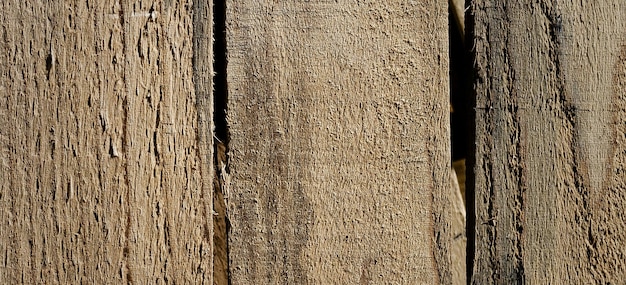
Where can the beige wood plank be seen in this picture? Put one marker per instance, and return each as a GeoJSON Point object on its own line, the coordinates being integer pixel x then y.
{"type": "Point", "coordinates": [104, 176]}
{"type": "Point", "coordinates": [551, 146]}
{"type": "Point", "coordinates": [338, 154]}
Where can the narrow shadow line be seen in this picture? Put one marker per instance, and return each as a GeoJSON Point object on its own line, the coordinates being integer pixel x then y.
{"type": "Point", "coordinates": [220, 62]}
{"type": "Point", "coordinates": [220, 107]}
{"type": "Point", "coordinates": [462, 117]}
{"type": "Point", "coordinates": [470, 190]}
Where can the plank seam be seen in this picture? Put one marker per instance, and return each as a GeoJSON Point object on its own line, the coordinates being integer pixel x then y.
{"type": "Point", "coordinates": [221, 139]}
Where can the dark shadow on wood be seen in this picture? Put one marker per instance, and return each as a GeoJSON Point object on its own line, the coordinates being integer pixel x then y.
{"type": "Point", "coordinates": [221, 273]}
{"type": "Point", "coordinates": [462, 126]}
{"type": "Point", "coordinates": [470, 121]}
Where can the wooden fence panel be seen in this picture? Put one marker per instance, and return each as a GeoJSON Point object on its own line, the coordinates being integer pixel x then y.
{"type": "Point", "coordinates": [551, 142]}
{"type": "Point", "coordinates": [105, 178]}
{"type": "Point", "coordinates": [338, 155]}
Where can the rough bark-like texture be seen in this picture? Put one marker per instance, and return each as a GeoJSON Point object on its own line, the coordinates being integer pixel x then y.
{"type": "Point", "coordinates": [103, 178]}
{"type": "Point", "coordinates": [551, 146]}
{"type": "Point", "coordinates": [339, 142]}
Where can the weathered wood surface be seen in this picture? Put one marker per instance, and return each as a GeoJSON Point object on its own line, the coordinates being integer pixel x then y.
{"type": "Point", "coordinates": [338, 151]}
{"type": "Point", "coordinates": [551, 142]}
{"type": "Point", "coordinates": [103, 178]}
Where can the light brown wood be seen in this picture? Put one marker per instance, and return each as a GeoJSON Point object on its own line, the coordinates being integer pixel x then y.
{"type": "Point", "coordinates": [105, 177]}
{"type": "Point", "coordinates": [220, 223]}
{"type": "Point", "coordinates": [457, 8]}
{"type": "Point", "coordinates": [458, 248]}
{"type": "Point", "coordinates": [338, 155]}
{"type": "Point", "coordinates": [551, 146]}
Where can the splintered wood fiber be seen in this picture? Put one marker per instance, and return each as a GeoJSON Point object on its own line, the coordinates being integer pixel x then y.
{"type": "Point", "coordinates": [102, 177]}
{"type": "Point", "coordinates": [551, 142]}
{"type": "Point", "coordinates": [338, 153]}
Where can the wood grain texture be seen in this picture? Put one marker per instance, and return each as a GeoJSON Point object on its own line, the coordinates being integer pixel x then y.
{"type": "Point", "coordinates": [339, 143]}
{"type": "Point", "coordinates": [551, 146]}
{"type": "Point", "coordinates": [103, 178]}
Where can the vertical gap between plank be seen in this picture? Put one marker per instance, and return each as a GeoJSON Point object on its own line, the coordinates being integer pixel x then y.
{"type": "Point", "coordinates": [470, 196]}
{"type": "Point", "coordinates": [221, 273]}
{"type": "Point", "coordinates": [461, 116]}
{"type": "Point", "coordinates": [219, 63]}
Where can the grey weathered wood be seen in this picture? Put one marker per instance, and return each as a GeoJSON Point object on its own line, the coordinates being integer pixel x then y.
{"type": "Point", "coordinates": [339, 146]}
{"type": "Point", "coordinates": [104, 178]}
{"type": "Point", "coordinates": [551, 146]}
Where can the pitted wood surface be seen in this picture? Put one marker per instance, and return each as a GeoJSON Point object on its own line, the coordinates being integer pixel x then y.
{"type": "Point", "coordinates": [339, 143]}
{"type": "Point", "coordinates": [103, 177]}
{"type": "Point", "coordinates": [551, 147]}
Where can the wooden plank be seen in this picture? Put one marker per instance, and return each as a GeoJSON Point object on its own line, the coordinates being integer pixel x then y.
{"type": "Point", "coordinates": [104, 180]}
{"type": "Point", "coordinates": [551, 146]}
{"type": "Point", "coordinates": [338, 155]}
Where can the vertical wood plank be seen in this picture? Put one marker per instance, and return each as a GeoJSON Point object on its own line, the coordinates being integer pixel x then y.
{"type": "Point", "coordinates": [104, 180]}
{"type": "Point", "coordinates": [339, 142]}
{"type": "Point", "coordinates": [551, 146]}
{"type": "Point", "coordinates": [203, 74]}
